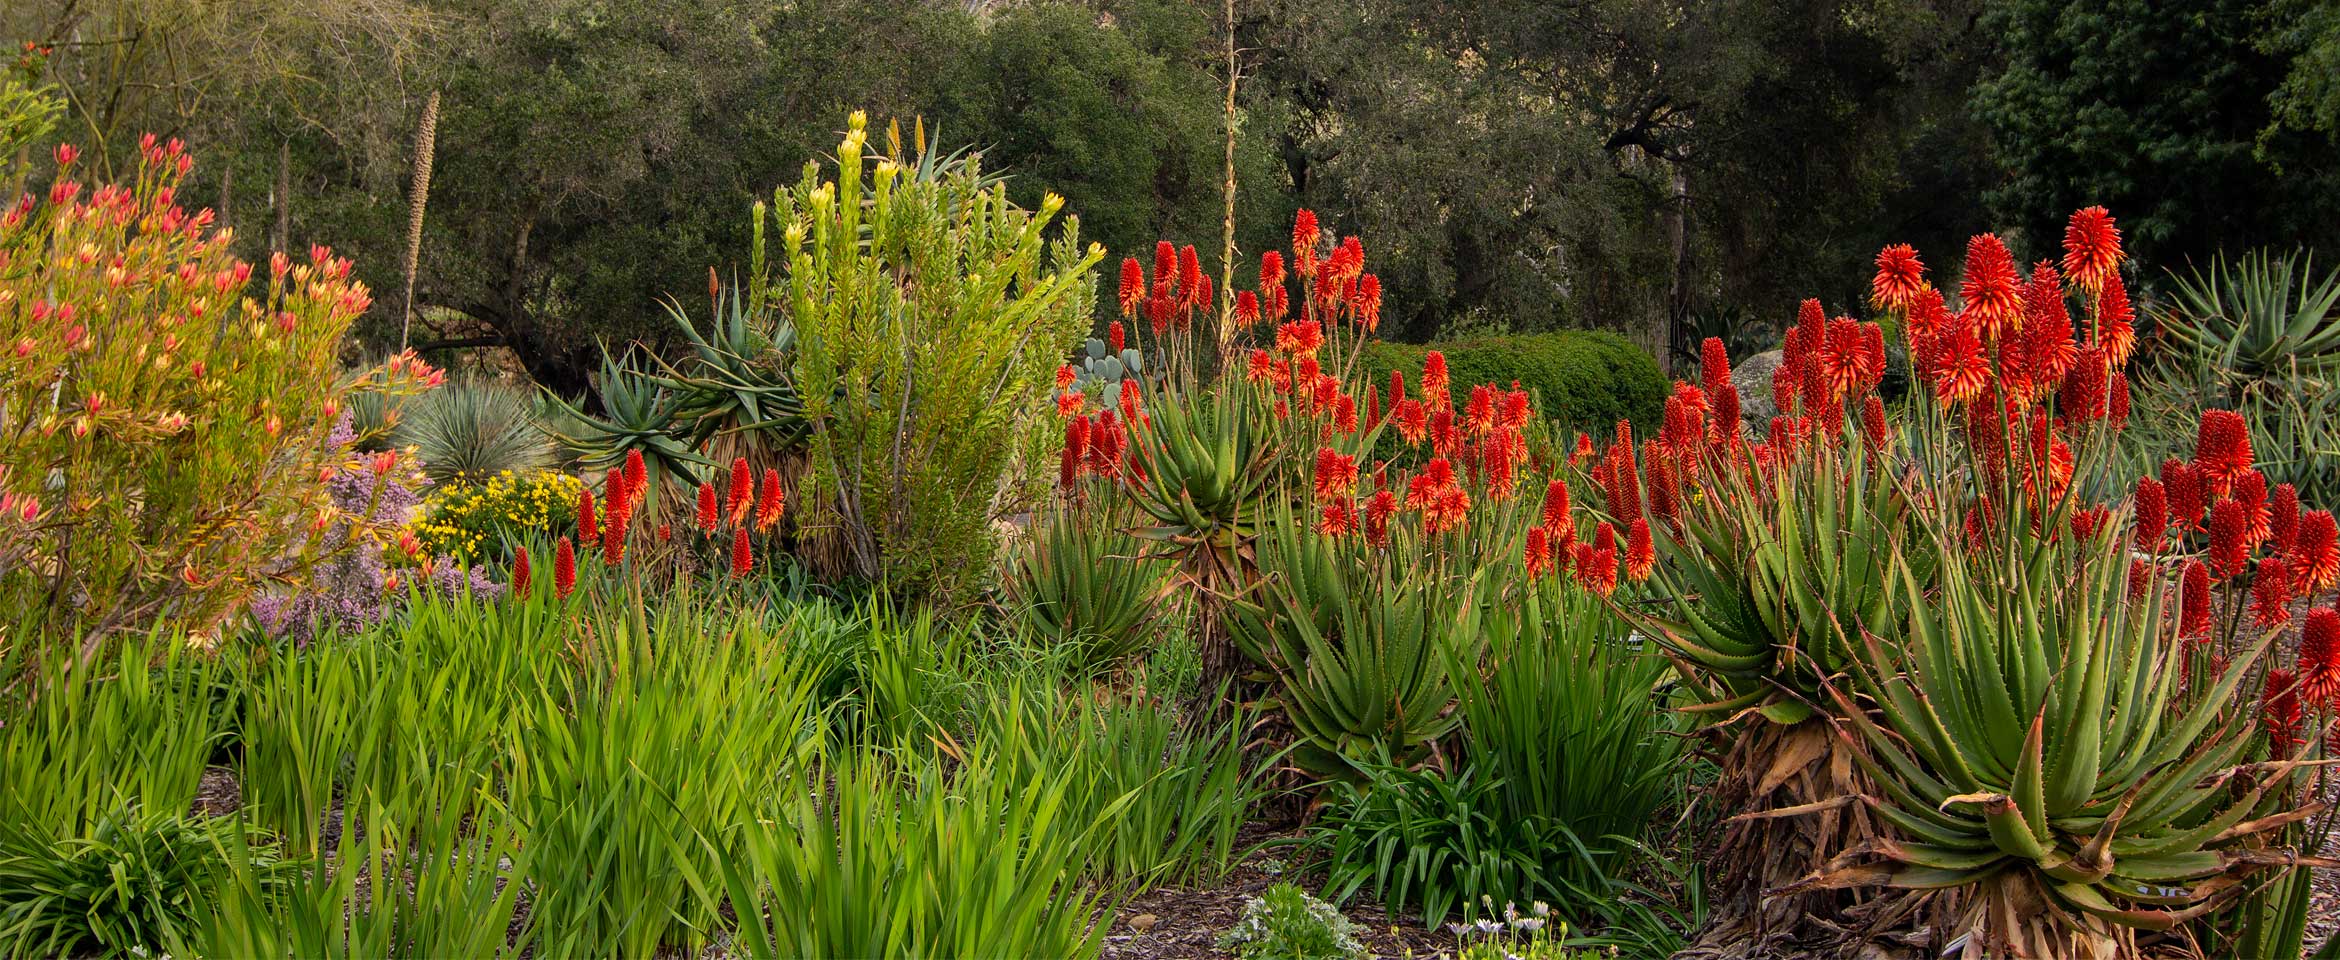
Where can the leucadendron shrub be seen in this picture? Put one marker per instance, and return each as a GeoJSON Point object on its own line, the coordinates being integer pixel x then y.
{"type": "Point", "coordinates": [167, 412]}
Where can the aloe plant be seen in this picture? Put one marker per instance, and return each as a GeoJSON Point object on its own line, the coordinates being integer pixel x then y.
{"type": "Point", "coordinates": [1359, 651]}
{"type": "Point", "coordinates": [1204, 472]}
{"type": "Point", "coordinates": [1089, 587]}
{"type": "Point", "coordinates": [2258, 314]}
{"type": "Point", "coordinates": [1777, 572]}
{"type": "Point", "coordinates": [642, 412]}
{"type": "Point", "coordinates": [2042, 744]}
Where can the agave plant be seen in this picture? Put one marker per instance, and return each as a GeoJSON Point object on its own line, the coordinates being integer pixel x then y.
{"type": "Point", "coordinates": [1088, 586]}
{"type": "Point", "coordinates": [2259, 315]}
{"type": "Point", "coordinates": [1204, 469]}
{"type": "Point", "coordinates": [2052, 749]}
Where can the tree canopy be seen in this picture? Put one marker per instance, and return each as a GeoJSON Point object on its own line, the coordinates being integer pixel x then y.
{"type": "Point", "coordinates": [1623, 164]}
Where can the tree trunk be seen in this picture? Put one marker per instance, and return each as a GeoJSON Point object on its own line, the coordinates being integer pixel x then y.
{"type": "Point", "coordinates": [1677, 332]}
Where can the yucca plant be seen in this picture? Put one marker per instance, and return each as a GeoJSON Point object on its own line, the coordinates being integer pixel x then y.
{"type": "Point", "coordinates": [2257, 315]}
{"type": "Point", "coordinates": [1090, 588]}
{"type": "Point", "coordinates": [2052, 748]}
{"type": "Point", "coordinates": [739, 380]}
{"type": "Point", "coordinates": [473, 431]}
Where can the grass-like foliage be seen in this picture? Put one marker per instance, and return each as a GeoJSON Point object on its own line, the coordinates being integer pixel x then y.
{"type": "Point", "coordinates": [603, 774]}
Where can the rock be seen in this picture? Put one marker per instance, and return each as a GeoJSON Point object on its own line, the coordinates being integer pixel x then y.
{"type": "Point", "coordinates": [1753, 378]}
{"type": "Point", "coordinates": [1143, 922]}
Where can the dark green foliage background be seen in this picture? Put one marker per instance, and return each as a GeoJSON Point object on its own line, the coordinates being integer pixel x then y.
{"type": "Point", "coordinates": [1585, 380]}
{"type": "Point", "coordinates": [1617, 164]}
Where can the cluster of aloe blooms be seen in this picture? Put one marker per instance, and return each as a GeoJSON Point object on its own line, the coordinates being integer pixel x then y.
{"type": "Point", "coordinates": [747, 508]}
{"type": "Point", "coordinates": [1303, 372]}
{"type": "Point", "coordinates": [1813, 570]}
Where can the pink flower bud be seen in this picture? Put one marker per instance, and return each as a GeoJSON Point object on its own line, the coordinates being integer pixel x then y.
{"type": "Point", "coordinates": [66, 154]}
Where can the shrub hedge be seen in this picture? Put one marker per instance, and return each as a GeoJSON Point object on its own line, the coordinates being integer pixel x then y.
{"type": "Point", "coordinates": [1584, 380]}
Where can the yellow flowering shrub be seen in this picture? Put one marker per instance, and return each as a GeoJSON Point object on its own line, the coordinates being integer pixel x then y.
{"type": "Point", "coordinates": [470, 520]}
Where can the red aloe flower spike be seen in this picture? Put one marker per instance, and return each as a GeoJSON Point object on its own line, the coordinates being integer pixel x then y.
{"type": "Point", "coordinates": [1434, 377]}
{"type": "Point", "coordinates": [743, 559]}
{"type": "Point", "coordinates": [1714, 365]}
{"type": "Point", "coordinates": [2259, 522]}
{"type": "Point", "coordinates": [1993, 304]}
{"type": "Point", "coordinates": [2152, 514]}
{"type": "Point", "coordinates": [2230, 546]}
{"type": "Point", "coordinates": [564, 568]}
{"type": "Point", "coordinates": [770, 501]}
{"type": "Point", "coordinates": [2222, 449]}
{"type": "Point", "coordinates": [1190, 277]}
{"type": "Point", "coordinates": [1338, 519]}
{"type": "Point", "coordinates": [743, 490]}
{"type": "Point", "coordinates": [613, 542]}
{"type": "Point", "coordinates": [1116, 336]}
{"type": "Point", "coordinates": [1076, 452]}
{"type": "Point", "coordinates": [1378, 510]}
{"type": "Point", "coordinates": [1538, 553]}
{"type": "Point", "coordinates": [520, 573]}
{"type": "Point", "coordinates": [1555, 513]}
{"type": "Point", "coordinates": [1133, 287]}
{"type": "Point", "coordinates": [1961, 372]}
{"type": "Point", "coordinates": [2319, 655]}
{"type": "Point", "coordinates": [2315, 552]}
{"type": "Point", "coordinates": [2047, 328]}
{"type": "Point", "coordinates": [1640, 552]}
{"type": "Point", "coordinates": [2271, 595]}
{"type": "Point", "coordinates": [2140, 578]}
{"type": "Point", "coordinates": [1595, 565]}
{"type": "Point", "coordinates": [637, 476]}
{"type": "Point", "coordinates": [2116, 328]}
{"type": "Point", "coordinates": [2187, 499]}
{"type": "Point", "coordinates": [1165, 287]}
{"type": "Point", "coordinates": [588, 529]}
{"type": "Point", "coordinates": [708, 515]}
{"type": "Point", "coordinates": [1873, 425]}
{"type": "Point", "coordinates": [2194, 602]}
{"type": "Point", "coordinates": [2092, 248]}
{"type": "Point", "coordinates": [1900, 276]}
{"type": "Point", "coordinates": [1336, 475]}
{"type": "Point", "coordinates": [2282, 520]}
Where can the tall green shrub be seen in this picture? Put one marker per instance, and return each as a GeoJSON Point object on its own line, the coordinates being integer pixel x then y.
{"type": "Point", "coordinates": [1588, 380]}
{"type": "Point", "coordinates": [931, 314]}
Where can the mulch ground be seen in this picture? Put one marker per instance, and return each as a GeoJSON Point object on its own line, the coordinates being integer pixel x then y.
{"type": "Point", "coordinates": [1174, 923]}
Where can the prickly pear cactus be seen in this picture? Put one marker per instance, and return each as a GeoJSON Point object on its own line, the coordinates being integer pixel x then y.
{"type": "Point", "coordinates": [1098, 372]}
